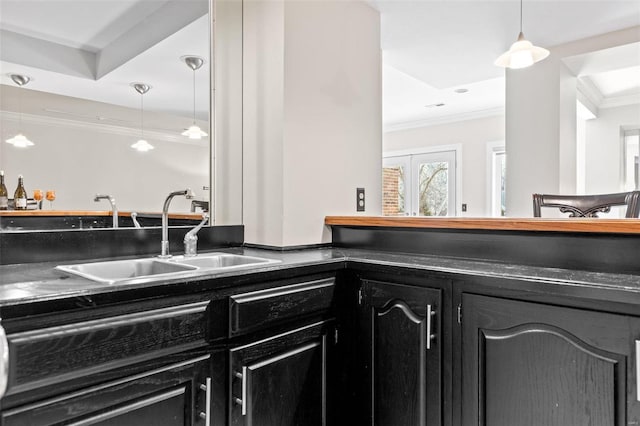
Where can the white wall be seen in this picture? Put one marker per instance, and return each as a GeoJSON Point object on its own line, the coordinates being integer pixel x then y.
{"type": "Point", "coordinates": [604, 148]}
{"type": "Point", "coordinates": [78, 162]}
{"type": "Point", "coordinates": [313, 117]}
{"type": "Point", "coordinates": [473, 136]}
{"type": "Point", "coordinates": [227, 112]}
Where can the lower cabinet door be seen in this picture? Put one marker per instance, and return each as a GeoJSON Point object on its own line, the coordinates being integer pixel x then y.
{"type": "Point", "coordinates": [401, 341]}
{"type": "Point", "coordinates": [175, 395]}
{"type": "Point", "coordinates": [529, 364]}
{"type": "Point", "coordinates": [282, 381]}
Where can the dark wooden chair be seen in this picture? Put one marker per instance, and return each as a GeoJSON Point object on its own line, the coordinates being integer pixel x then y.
{"type": "Point", "coordinates": [588, 205]}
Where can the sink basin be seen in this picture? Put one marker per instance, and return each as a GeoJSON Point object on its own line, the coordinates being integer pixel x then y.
{"type": "Point", "coordinates": [122, 270]}
{"type": "Point", "coordinates": [221, 260]}
{"type": "Point", "coordinates": [118, 271]}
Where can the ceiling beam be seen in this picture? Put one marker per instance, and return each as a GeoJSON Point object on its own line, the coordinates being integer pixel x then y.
{"type": "Point", "coordinates": [161, 24]}
{"type": "Point", "coordinates": [42, 54]}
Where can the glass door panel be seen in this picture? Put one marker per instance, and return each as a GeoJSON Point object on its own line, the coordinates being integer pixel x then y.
{"type": "Point", "coordinates": [434, 176]}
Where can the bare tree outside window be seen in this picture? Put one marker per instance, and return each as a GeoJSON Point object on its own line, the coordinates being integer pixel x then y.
{"type": "Point", "coordinates": [434, 189]}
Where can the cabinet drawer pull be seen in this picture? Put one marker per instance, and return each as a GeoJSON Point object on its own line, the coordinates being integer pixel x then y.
{"type": "Point", "coordinates": [206, 414]}
{"type": "Point", "coordinates": [4, 362]}
{"type": "Point", "coordinates": [430, 336]}
{"type": "Point", "coordinates": [638, 370]}
{"type": "Point", "coordinates": [242, 402]}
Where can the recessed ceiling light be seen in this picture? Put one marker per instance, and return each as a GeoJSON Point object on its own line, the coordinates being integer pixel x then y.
{"type": "Point", "coordinates": [434, 105]}
{"type": "Point", "coordinates": [461, 90]}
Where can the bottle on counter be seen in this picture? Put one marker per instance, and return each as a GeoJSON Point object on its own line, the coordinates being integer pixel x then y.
{"type": "Point", "coordinates": [20, 196]}
{"type": "Point", "coordinates": [4, 195]}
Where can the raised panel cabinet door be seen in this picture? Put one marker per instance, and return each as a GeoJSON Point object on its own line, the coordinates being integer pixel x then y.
{"type": "Point", "coordinates": [281, 381]}
{"type": "Point", "coordinates": [178, 394]}
{"type": "Point", "coordinates": [529, 364]}
{"type": "Point", "coordinates": [402, 331]}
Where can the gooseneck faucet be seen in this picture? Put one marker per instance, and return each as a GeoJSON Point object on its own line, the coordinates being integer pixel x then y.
{"type": "Point", "coordinates": [114, 209]}
{"type": "Point", "coordinates": [188, 193]}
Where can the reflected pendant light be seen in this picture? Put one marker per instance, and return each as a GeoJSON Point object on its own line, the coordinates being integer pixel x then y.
{"type": "Point", "coordinates": [522, 53]}
{"type": "Point", "coordinates": [20, 140]}
{"type": "Point", "coordinates": [194, 131]}
{"type": "Point", "coordinates": [142, 145]}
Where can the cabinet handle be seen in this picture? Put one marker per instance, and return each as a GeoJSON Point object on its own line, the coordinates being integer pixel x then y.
{"type": "Point", "coordinates": [638, 370]}
{"type": "Point", "coordinates": [206, 414]}
{"type": "Point", "coordinates": [243, 400]}
{"type": "Point", "coordinates": [4, 362]}
{"type": "Point", "coordinates": [430, 336]}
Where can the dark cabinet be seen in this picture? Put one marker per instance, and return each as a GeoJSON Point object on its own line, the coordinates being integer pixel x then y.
{"type": "Point", "coordinates": [176, 394]}
{"type": "Point", "coordinates": [282, 380]}
{"type": "Point", "coordinates": [401, 345]}
{"type": "Point", "coordinates": [529, 364]}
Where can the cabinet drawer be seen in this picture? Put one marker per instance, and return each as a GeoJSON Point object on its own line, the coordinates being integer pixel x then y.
{"type": "Point", "coordinates": [167, 395]}
{"type": "Point", "coordinates": [52, 355]}
{"type": "Point", "coordinates": [263, 308]}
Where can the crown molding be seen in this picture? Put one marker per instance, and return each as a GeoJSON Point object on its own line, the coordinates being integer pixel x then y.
{"type": "Point", "coordinates": [98, 127]}
{"type": "Point", "coordinates": [619, 101]}
{"type": "Point", "coordinates": [474, 115]}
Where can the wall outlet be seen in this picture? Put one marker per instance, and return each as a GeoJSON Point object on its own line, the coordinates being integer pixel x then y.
{"type": "Point", "coordinates": [464, 207]}
{"type": "Point", "coordinates": [359, 199]}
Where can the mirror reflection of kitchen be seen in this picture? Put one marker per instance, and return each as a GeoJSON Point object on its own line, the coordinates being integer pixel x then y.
{"type": "Point", "coordinates": [98, 78]}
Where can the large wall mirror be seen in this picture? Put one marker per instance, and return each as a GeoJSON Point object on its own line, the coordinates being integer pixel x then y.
{"type": "Point", "coordinates": [84, 81]}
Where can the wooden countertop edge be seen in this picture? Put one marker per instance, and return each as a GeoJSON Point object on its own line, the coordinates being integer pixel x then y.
{"type": "Point", "coordinates": [582, 225]}
{"type": "Point", "coordinates": [60, 213]}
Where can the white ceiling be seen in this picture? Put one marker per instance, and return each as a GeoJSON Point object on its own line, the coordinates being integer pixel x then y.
{"type": "Point", "coordinates": [94, 49]}
{"type": "Point", "coordinates": [432, 47]}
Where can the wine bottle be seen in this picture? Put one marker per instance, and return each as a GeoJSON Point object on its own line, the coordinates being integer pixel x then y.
{"type": "Point", "coordinates": [4, 195]}
{"type": "Point", "coordinates": [20, 196]}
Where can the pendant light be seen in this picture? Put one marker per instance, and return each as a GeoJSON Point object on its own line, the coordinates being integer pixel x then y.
{"type": "Point", "coordinates": [194, 131]}
{"type": "Point", "coordinates": [142, 145]}
{"type": "Point", "coordinates": [522, 53]}
{"type": "Point", "coordinates": [20, 140]}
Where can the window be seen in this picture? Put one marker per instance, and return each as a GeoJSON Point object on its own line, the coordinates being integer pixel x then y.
{"type": "Point", "coordinates": [631, 154]}
{"type": "Point", "coordinates": [420, 184]}
{"type": "Point", "coordinates": [496, 178]}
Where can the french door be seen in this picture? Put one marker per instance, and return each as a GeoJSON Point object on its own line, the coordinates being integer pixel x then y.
{"type": "Point", "coordinates": [420, 184]}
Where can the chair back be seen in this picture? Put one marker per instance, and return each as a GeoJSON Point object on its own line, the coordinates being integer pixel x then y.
{"type": "Point", "coordinates": [588, 205]}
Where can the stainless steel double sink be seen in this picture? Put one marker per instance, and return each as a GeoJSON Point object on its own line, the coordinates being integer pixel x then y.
{"type": "Point", "coordinates": [119, 271]}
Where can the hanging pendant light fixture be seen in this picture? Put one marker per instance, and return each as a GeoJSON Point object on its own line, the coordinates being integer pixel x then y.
{"type": "Point", "coordinates": [522, 53]}
{"type": "Point", "coordinates": [194, 131]}
{"type": "Point", "coordinates": [20, 140]}
{"type": "Point", "coordinates": [142, 145]}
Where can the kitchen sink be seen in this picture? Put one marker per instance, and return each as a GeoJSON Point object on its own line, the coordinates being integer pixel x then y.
{"type": "Point", "coordinates": [221, 260]}
{"type": "Point", "coordinates": [122, 270]}
{"type": "Point", "coordinates": [118, 271]}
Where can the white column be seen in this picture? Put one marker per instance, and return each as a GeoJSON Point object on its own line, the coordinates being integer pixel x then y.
{"type": "Point", "coordinates": [313, 117]}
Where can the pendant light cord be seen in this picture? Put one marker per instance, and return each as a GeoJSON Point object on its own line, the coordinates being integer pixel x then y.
{"type": "Point", "coordinates": [520, 15]}
{"type": "Point", "coordinates": [194, 97]}
{"type": "Point", "coordinates": [141, 116]}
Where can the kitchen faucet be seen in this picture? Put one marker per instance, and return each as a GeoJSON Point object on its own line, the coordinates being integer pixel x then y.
{"type": "Point", "coordinates": [114, 209]}
{"type": "Point", "coordinates": [134, 218]}
{"type": "Point", "coordinates": [188, 193]}
{"type": "Point", "coordinates": [191, 237]}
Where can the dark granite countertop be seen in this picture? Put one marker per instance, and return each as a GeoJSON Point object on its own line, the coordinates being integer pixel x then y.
{"type": "Point", "coordinates": [27, 283]}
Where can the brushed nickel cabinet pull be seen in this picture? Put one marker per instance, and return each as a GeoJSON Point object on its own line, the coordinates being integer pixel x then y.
{"type": "Point", "coordinates": [242, 401]}
{"type": "Point", "coordinates": [4, 362]}
{"type": "Point", "coordinates": [638, 370]}
{"type": "Point", "coordinates": [206, 414]}
{"type": "Point", "coordinates": [430, 336]}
